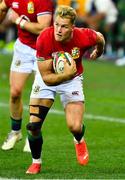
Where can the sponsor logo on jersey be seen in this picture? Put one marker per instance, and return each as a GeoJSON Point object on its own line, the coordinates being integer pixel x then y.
{"type": "Point", "coordinates": [30, 7]}
{"type": "Point", "coordinates": [75, 93]}
{"type": "Point", "coordinates": [75, 52]}
{"type": "Point", "coordinates": [15, 5]}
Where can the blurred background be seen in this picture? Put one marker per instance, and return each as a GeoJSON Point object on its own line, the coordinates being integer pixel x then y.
{"type": "Point", "coordinates": [105, 103]}
{"type": "Point", "coordinates": [106, 16]}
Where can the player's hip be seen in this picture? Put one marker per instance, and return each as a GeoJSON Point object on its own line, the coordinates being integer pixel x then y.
{"type": "Point", "coordinates": [24, 58]}
{"type": "Point", "coordinates": [69, 91]}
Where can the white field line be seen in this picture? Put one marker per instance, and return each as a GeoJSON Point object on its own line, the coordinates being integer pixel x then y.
{"type": "Point", "coordinates": [87, 116]}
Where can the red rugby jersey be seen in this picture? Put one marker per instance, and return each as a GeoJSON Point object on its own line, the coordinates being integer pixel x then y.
{"type": "Point", "coordinates": [31, 9]}
{"type": "Point", "coordinates": [82, 40]}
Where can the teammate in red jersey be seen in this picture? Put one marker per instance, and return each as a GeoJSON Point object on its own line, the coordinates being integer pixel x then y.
{"type": "Point", "coordinates": [64, 36]}
{"type": "Point", "coordinates": [31, 17]}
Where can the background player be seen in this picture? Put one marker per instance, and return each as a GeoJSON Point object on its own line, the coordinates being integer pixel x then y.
{"type": "Point", "coordinates": [31, 17]}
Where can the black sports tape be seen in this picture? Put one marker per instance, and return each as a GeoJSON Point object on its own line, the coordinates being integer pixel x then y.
{"type": "Point", "coordinates": [43, 110]}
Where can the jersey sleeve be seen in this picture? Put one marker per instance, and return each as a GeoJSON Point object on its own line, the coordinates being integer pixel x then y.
{"type": "Point", "coordinates": [8, 3]}
{"type": "Point", "coordinates": [44, 7]}
{"type": "Point", "coordinates": [89, 37]}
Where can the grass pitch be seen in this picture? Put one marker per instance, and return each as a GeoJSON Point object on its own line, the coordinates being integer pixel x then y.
{"type": "Point", "coordinates": [104, 88]}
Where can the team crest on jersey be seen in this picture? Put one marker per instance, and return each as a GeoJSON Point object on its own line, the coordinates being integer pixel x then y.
{"type": "Point", "coordinates": [75, 52]}
{"type": "Point", "coordinates": [17, 63]}
{"type": "Point", "coordinates": [30, 7]}
{"type": "Point", "coordinates": [36, 89]}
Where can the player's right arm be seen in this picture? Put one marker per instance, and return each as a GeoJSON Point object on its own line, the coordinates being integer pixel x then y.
{"type": "Point", "coordinates": [32, 27]}
{"type": "Point", "coordinates": [50, 77]}
{"type": "Point", "coordinates": [44, 13]}
{"type": "Point", "coordinates": [3, 10]}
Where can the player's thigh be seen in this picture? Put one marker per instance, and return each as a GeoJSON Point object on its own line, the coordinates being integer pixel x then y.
{"type": "Point", "coordinates": [72, 91]}
{"type": "Point", "coordinates": [18, 80]}
{"type": "Point", "coordinates": [74, 113]}
{"type": "Point", "coordinates": [39, 109]}
{"type": "Point", "coordinates": [41, 91]}
{"type": "Point", "coordinates": [41, 102]}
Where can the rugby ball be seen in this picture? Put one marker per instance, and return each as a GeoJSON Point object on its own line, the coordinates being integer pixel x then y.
{"type": "Point", "coordinates": [58, 61]}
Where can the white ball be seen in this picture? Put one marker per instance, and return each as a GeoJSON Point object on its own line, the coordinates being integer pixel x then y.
{"type": "Point", "coordinates": [58, 61]}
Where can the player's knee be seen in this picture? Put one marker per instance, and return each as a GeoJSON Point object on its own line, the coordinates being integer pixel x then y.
{"type": "Point", "coordinates": [34, 128]}
{"type": "Point", "coordinates": [75, 128]}
{"type": "Point", "coordinates": [15, 92]}
{"type": "Point", "coordinates": [37, 115]}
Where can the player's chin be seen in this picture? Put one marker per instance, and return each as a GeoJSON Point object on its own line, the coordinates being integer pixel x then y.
{"type": "Point", "coordinates": [58, 38]}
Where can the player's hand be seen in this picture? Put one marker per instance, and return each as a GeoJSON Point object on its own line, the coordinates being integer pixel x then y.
{"type": "Point", "coordinates": [95, 54]}
{"type": "Point", "coordinates": [70, 70]}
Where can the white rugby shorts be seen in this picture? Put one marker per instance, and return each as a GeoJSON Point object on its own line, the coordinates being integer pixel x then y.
{"type": "Point", "coordinates": [24, 58]}
{"type": "Point", "coordinates": [69, 91]}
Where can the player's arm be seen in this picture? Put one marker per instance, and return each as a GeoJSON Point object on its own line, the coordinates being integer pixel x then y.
{"type": "Point", "coordinates": [3, 10]}
{"type": "Point", "coordinates": [99, 48]}
{"type": "Point", "coordinates": [43, 21]}
{"type": "Point", "coordinates": [50, 77]}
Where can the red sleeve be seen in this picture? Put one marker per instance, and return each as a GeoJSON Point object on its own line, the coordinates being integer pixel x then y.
{"type": "Point", "coordinates": [89, 37]}
{"type": "Point", "coordinates": [47, 7]}
{"type": "Point", "coordinates": [8, 3]}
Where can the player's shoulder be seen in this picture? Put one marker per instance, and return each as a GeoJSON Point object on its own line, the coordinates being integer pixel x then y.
{"type": "Point", "coordinates": [47, 33]}
{"type": "Point", "coordinates": [80, 31]}
{"type": "Point", "coordinates": [45, 3]}
{"type": "Point", "coordinates": [8, 2]}
{"type": "Point", "coordinates": [84, 36]}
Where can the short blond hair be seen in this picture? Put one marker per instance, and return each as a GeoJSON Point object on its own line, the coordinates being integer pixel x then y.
{"type": "Point", "coordinates": [66, 12]}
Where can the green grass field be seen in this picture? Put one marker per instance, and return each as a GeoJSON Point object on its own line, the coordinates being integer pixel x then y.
{"type": "Point", "coordinates": [104, 88]}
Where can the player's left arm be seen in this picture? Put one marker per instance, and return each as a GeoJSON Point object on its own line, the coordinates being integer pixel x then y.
{"type": "Point", "coordinates": [99, 48]}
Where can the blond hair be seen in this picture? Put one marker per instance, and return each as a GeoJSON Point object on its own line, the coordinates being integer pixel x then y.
{"type": "Point", "coordinates": [66, 12]}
